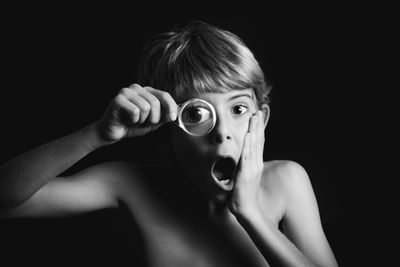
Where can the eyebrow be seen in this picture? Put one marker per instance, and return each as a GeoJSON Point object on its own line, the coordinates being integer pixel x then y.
{"type": "Point", "coordinates": [240, 95]}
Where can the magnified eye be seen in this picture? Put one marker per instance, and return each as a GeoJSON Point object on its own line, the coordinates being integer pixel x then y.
{"type": "Point", "coordinates": [239, 109]}
{"type": "Point", "coordinates": [195, 115]}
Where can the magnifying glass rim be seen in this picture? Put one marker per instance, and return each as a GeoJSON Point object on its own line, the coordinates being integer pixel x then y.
{"type": "Point", "coordinates": [183, 105]}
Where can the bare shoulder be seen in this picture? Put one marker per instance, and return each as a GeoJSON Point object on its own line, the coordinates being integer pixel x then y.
{"type": "Point", "coordinates": [283, 174]}
{"type": "Point", "coordinates": [123, 175]}
{"type": "Point", "coordinates": [132, 181]}
{"type": "Point", "coordinates": [289, 182]}
{"type": "Point", "coordinates": [283, 171]}
{"type": "Point", "coordinates": [283, 180]}
{"type": "Point", "coordinates": [120, 171]}
{"type": "Point", "coordinates": [112, 179]}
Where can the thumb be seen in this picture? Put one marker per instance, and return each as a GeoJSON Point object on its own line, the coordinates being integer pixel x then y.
{"type": "Point", "coordinates": [142, 129]}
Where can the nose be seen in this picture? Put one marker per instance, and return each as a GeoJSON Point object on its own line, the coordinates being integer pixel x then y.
{"type": "Point", "coordinates": [222, 131]}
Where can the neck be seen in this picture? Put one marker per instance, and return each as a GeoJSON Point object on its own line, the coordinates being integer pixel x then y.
{"type": "Point", "coordinates": [216, 210]}
{"type": "Point", "coordinates": [219, 211]}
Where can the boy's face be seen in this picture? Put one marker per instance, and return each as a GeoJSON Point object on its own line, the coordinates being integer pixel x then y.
{"type": "Point", "coordinates": [211, 159]}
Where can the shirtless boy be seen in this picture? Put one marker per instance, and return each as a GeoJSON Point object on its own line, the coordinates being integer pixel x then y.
{"type": "Point", "coordinates": [233, 209]}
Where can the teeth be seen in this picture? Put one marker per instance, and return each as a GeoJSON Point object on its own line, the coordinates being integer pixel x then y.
{"type": "Point", "coordinates": [223, 169]}
{"type": "Point", "coordinates": [225, 182]}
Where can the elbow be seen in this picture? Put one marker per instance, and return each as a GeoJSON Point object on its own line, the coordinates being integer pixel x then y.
{"type": "Point", "coordinates": [9, 207]}
{"type": "Point", "coordinates": [11, 195]}
{"type": "Point", "coordinates": [8, 204]}
{"type": "Point", "coordinates": [9, 201]}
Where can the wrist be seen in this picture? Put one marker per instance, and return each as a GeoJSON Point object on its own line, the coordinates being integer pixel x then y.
{"type": "Point", "coordinates": [250, 219]}
{"type": "Point", "coordinates": [92, 134]}
{"type": "Point", "coordinates": [245, 213]}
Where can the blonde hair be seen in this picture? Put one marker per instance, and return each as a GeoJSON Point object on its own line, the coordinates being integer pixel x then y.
{"type": "Point", "coordinates": [200, 58]}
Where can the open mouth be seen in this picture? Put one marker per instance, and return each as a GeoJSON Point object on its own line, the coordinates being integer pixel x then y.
{"type": "Point", "coordinates": [223, 170]}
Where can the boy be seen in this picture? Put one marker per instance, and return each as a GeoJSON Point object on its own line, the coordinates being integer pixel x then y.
{"type": "Point", "coordinates": [233, 208]}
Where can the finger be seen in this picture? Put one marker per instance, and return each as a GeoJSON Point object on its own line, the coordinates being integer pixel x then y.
{"type": "Point", "coordinates": [260, 137]}
{"type": "Point", "coordinates": [133, 96]}
{"type": "Point", "coordinates": [246, 150]}
{"type": "Point", "coordinates": [252, 124]}
{"type": "Point", "coordinates": [139, 131]}
{"type": "Point", "coordinates": [259, 133]}
{"type": "Point", "coordinates": [155, 110]}
{"type": "Point", "coordinates": [253, 132]}
{"type": "Point", "coordinates": [167, 102]}
{"type": "Point", "coordinates": [128, 111]}
{"type": "Point", "coordinates": [244, 158]}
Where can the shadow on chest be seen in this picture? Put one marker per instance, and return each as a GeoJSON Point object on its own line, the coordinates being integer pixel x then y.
{"type": "Point", "coordinates": [176, 231]}
{"type": "Point", "coordinates": [199, 244]}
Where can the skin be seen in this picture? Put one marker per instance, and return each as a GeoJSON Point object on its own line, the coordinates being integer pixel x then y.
{"type": "Point", "coordinates": [190, 219]}
{"type": "Point", "coordinates": [196, 155]}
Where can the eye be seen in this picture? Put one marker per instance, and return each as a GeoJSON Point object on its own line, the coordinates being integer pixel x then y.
{"type": "Point", "coordinates": [239, 109]}
{"type": "Point", "coordinates": [195, 114]}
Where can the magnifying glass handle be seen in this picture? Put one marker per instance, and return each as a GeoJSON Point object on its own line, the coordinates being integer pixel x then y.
{"type": "Point", "coordinates": [180, 106]}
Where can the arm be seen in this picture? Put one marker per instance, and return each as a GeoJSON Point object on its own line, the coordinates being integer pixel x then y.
{"type": "Point", "coordinates": [97, 187]}
{"type": "Point", "coordinates": [21, 177]}
{"type": "Point", "coordinates": [273, 245]}
{"type": "Point", "coordinates": [303, 242]}
{"type": "Point", "coordinates": [302, 222]}
{"type": "Point", "coordinates": [30, 180]}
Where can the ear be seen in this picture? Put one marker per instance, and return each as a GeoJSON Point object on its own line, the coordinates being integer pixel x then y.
{"type": "Point", "coordinates": [266, 112]}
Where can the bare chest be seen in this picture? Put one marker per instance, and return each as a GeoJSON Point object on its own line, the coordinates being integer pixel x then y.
{"type": "Point", "coordinates": [173, 235]}
{"type": "Point", "coordinates": [187, 243]}
{"type": "Point", "coordinates": [172, 238]}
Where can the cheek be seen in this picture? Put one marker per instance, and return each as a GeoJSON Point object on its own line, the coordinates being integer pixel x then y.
{"type": "Point", "coordinates": [241, 128]}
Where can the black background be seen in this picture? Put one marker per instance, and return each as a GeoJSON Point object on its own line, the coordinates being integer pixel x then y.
{"type": "Point", "coordinates": [61, 65]}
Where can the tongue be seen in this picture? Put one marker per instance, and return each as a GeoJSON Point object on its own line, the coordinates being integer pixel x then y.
{"type": "Point", "coordinates": [224, 169]}
{"type": "Point", "coordinates": [219, 175]}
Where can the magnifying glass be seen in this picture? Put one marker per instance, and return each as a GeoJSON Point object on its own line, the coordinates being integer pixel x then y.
{"type": "Point", "coordinates": [196, 116]}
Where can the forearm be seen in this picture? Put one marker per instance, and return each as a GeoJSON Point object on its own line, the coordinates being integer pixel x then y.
{"type": "Point", "coordinates": [21, 177]}
{"type": "Point", "coordinates": [274, 246]}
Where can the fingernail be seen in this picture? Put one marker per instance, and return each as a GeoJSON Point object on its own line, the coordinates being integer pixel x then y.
{"type": "Point", "coordinates": [172, 116]}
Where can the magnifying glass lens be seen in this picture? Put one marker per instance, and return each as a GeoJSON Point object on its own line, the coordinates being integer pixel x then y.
{"type": "Point", "coordinates": [197, 117]}
{"type": "Point", "coordinates": [194, 114]}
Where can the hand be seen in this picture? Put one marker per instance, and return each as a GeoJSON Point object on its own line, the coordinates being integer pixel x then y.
{"type": "Point", "coordinates": [135, 111]}
{"type": "Point", "coordinates": [244, 199]}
